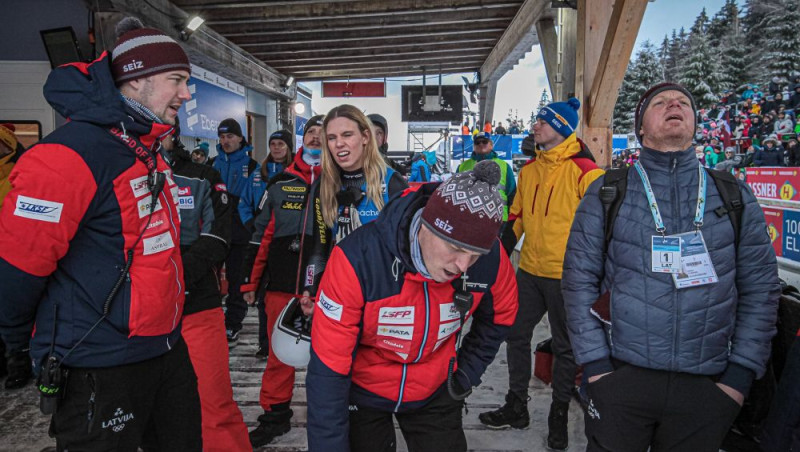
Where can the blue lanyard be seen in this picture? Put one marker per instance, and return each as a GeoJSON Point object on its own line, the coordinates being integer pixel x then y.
{"type": "Point", "coordinates": [699, 212]}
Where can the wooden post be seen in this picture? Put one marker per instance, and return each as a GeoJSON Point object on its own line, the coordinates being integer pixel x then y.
{"type": "Point", "coordinates": [607, 31]}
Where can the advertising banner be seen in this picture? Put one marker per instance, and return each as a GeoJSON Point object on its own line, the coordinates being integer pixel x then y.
{"type": "Point", "coordinates": [504, 145]}
{"type": "Point", "coordinates": [774, 217]}
{"type": "Point", "coordinates": [214, 98]}
{"type": "Point", "coordinates": [775, 184]}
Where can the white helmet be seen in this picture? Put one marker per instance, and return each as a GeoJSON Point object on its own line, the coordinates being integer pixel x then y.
{"type": "Point", "coordinates": [291, 336]}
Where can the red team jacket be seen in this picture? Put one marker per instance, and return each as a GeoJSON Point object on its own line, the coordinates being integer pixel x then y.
{"type": "Point", "coordinates": [383, 335]}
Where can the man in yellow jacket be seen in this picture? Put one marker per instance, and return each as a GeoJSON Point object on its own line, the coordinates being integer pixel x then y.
{"type": "Point", "coordinates": [549, 189]}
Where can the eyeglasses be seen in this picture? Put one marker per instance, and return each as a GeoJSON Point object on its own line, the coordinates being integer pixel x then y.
{"type": "Point", "coordinates": [480, 142]}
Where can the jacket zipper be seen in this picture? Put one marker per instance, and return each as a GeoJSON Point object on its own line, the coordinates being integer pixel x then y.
{"type": "Point", "coordinates": [421, 347]}
{"type": "Point", "coordinates": [177, 279]}
{"type": "Point", "coordinates": [676, 216]}
{"type": "Point", "coordinates": [547, 206]}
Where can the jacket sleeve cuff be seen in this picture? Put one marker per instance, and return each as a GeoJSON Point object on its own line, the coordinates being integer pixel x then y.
{"type": "Point", "coordinates": [248, 288]}
{"type": "Point", "coordinates": [738, 377]}
{"type": "Point", "coordinates": [601, 366]}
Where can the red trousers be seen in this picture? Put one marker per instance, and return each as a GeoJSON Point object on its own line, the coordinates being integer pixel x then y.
{"type": "Point", "coordinates": [277, 382]}
{"type": "Point", "coordinates": [223, 426]}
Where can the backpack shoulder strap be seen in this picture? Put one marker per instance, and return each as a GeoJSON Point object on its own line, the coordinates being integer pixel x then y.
{"type": "Point", "coordinates": [612, 193]}
{"type": "Point", "coordinates": [732, 203]}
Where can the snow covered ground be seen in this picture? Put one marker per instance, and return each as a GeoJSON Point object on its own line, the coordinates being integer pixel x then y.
{"type": "Point", "coordinates": [23, 428]}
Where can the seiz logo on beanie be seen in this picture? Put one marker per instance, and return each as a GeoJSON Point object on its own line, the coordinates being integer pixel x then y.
{"type": "Point", "coordinates": [443, 225]}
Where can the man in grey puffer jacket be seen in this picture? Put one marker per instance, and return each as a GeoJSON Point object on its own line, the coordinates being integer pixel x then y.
{"type": "Point", "coordinates": [667, 368]}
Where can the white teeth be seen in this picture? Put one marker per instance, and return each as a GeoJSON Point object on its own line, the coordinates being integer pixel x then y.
{"type": "Point", "coordinates": [343, 154]}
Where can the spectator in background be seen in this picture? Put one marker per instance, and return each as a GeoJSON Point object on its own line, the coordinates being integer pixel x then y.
{"type": "Point", "coordinates": [747, 160]}
{"type": "Point", "coordinates": [730, 160]}
{"type": "Point", "coordinates": [748, 92]}
{"type": "Point", "coordinates": [774, 86]}
{"type": "Point", "coordinates": [200, 153]}
{"type": "Point", "coordinates": [483, 149]}
{"type": "Point", "coordinates": [793, 152]}
{"type": "Point", "coordinates": [281, 154]}
{"type": "Point", "coordinates": [514, 129]}
{"type": "Point", "coordinates": [487, 127]}
{"type": "Point", "coordinates": [701, 156]}
{"type": "Point", "coordinates": [500, 130]}
{"type": "Point", "coordinates": [420, 170]}
{"type": "Point", "coordinates": [794, 101]}
{"type": "Point", "coordinates": [465, 128]}
{"type": "Point", "coordinates": [242, 176]}
{"type": "Point", "coordinates": [771, 154]}
{"type": "Point", "coordinates": [381, 131]}
{"type": "Point", "coordinates": [783, 124]}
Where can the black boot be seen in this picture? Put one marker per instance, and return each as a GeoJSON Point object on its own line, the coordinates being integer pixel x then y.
{"type": "Point", "coordinates": [513, 414]}
{"type": "Point", "coordinates": [271, 424]}
{"type": "Point", "coordinates": [20, 369]}
{"type": "Point", "coordinates": [558, 439]}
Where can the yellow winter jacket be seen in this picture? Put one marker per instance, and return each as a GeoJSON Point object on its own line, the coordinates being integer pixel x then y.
{"type": "Point", "coordinates": [548, 192]}
{"type": "Point", "coordinates": [5, 169]}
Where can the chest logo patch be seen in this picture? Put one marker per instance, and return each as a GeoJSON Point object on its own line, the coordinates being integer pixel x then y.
{"type": "Point", "coordinates": [403, 315]}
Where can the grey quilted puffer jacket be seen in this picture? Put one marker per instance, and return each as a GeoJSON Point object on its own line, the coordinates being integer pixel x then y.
{"type": "Point", "coordinates": [723, 328]}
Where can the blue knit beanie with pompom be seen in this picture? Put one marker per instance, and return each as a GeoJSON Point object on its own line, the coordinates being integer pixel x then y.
{"type": "Point", "coordinates": [562, 116]}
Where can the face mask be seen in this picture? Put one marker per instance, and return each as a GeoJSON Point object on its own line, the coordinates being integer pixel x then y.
{"type": "Point", "coordinates": [314, 152]}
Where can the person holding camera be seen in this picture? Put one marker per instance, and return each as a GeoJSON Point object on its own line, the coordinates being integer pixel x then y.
{"type": "Point", "coordinates": [386, 338]}
{"type": "Point", "coordinates": [90, 253]}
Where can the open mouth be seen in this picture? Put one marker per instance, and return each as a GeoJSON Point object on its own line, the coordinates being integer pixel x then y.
{"type": "Point", "coordinates": [342, 154]}
{"type": "Point", "coordinates": [677, 117]}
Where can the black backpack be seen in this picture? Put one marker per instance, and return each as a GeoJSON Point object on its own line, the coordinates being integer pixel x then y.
{"type": "Point", "coordinates": [615, 184]}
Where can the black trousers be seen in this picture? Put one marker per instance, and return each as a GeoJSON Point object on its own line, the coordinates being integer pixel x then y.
{"type": "Point", "coordinates": [152, 404]}
{"type": "Point", "coordinates": [436, 427]}
{"type": "Point", "coordinates": [235, 306]}
{"type": "Point", "coordinates": [634, 408]}
{"type": "Point", "coordinates": [781, 431]}
{"type": "Point", "coordinates": [538, 296]}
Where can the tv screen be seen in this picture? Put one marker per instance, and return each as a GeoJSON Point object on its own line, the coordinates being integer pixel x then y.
{"type": "Point", "coordinates": [61, 46]}
{"type": "Point", "coordinates": [432, 107]}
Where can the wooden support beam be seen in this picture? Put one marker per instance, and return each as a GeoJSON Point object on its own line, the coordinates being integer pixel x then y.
{"type": "Point", "coordinates": [206, 47]}
{"type": "Point", "coordinates": [623, 27]}
{"type": "Point", "coordinates": [333, 47]}
{"type": "Point", "coordinates": [442, 33]}
{"type": "Point", "coordinates": [320, 56]}
{"type": "Point", "coordinates": [382, 72]}
{"type": "Point", "coordinates": [516, 41]}
{"type": "Point", "coordinates": [593, 18]}
{"type": "Point", "coordinates": [548, 42]}
{"type": "Point", "coordinates": [429, 62]}
{"type": "Point", "coordinates": [567, 47]}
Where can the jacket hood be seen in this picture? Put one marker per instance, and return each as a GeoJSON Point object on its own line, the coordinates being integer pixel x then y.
{"type": "Point", "coordinates": [241, 153]}
{"type": "Point", "coordinates": [86, 92]}
{"type": "Point", "coordinates": [394, 220]}
{"type": "Point", "coordinates": [302, 169]}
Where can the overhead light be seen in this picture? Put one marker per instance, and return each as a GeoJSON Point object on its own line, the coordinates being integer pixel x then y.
{"type": "Point", "coordinates": [191, 26]}
{"type": "Point", "coordinates": [195, 23]}
{"type": "Point", "coordinates": [288, 81]}
{"type": "Point", "coordinates": [299, 108]}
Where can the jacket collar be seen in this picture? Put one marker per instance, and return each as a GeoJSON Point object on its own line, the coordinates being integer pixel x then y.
{"type": "Point", "coordinates": [658, 161]}
{"type": "Point", "coordinates": [302, 169]}
{"type": "Point", "coordinates": [562, 151]}
{"type": "Point", "coordinates": [240, 154]}
{"type": "Point", "coordinates": [480, 157]}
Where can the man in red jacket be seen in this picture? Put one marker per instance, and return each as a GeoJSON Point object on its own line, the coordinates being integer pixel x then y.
{"type": "Point", "coordinates": [89, 251]}
{"type": "Point", "coordinates": [386, 338]}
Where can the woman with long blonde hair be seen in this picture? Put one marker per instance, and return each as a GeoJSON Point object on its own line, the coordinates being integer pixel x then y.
{"type": "Point", "coordinates": [354, 187]}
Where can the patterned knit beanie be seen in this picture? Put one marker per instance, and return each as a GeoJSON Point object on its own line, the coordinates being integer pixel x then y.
{"type": "Point", "coordinates": [141, 52]}
{"type": "Point", "coordinates": [467, 209]}
{"type": "Point", "coordinates": [562, 116]}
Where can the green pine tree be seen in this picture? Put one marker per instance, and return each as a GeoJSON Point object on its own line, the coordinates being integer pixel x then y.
{"type": "Point", "coordinates": [643, 72]}
{"type": "Point", "coordinates": [700, 73]}
{"type": "Point", "coordinates": [780, 54]}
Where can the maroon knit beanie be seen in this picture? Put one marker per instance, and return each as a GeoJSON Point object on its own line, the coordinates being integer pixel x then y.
{"type": "Point", "coordinates": [141, 52]}
{"type": "Point", "coordinates": [467, 209]}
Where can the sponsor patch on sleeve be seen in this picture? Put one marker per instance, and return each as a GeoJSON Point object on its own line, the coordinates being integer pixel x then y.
{"type": "Point", "coordinates": [157, 244]}
{"type": "Point", "coordinates": [330, 308]}
{"type": "Point", "coordinates": [310, 274]}
{"type": "Point", "coordinates": [220, 187]}
{"type": "Point", "coordinates": [38, 209]}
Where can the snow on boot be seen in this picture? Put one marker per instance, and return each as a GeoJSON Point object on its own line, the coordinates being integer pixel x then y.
{"type": "Point", "coordinates": [558, 439]}
{"type": "Point", "coordinates": [20, 369]}
{"type": "Point", "coordinates": [270, 425]}
{"type": "Point", "coordinates": [513, 414]}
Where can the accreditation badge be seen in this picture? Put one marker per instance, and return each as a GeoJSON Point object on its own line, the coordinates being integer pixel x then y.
{"type": "Point", "coordinates": [666, 254]}
{"type": "Point", "coordinates": [696, 266]}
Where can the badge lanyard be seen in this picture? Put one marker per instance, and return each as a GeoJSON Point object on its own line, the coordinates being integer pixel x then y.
{"type": "Point", "coordinates": [651, 199]}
